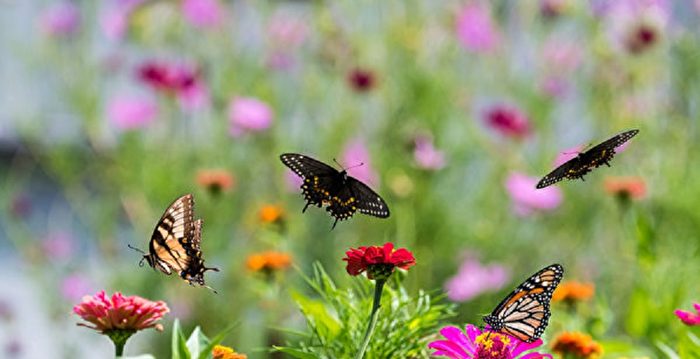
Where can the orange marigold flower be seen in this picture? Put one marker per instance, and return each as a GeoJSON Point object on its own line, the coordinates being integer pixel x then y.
{"type": "Point", "coordinates": [573, 291]}
{"type": "Point", "coordinates": [626, 187]}
{"type": "Point", "coordinates": [215, 180]}
{"type": "Point", "coordinates": [224, 352]}
{"type": "Point", "coordinates": [576, 345]}
{"type": "Point", "coordinates": [268, 261]}
{"type": "Point", "coordinates": [271, 213]}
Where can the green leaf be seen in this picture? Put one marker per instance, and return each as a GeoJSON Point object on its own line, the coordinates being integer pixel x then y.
{"type": "Point", "coordinates": [196, 342]}
{"type": "Point", "coordinates": [296, 353]}
{"type": "Point", "coordinates": [144, 356]}
{"type": "Point", "coordinates": [318, 314]}
{"type": "Point", "coordinates": [178, 344]}
{"type": "Point", "coordinates": [214, 341]}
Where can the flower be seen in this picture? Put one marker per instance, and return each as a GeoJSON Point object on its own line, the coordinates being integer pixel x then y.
{"type": "Point", "coordinates": [271, 213]}
{"type": "Point", "coordinates": [508, 120]}
{"type": "Point", "coordinates": [247, 114]}
{"type": "Point", "coordinates": [552, 8]}
{"type": "Point", "coordinates": [527, 199]}
{"type": "Point", "coordinates": [356, 154]}
{"type": "Point", "coordinates": [426, 155]}
{"type": "Point", "coordinates": [361, 80]}
{"type": "Point", "coordinates": [292, 181]}
{"type": "Point", "coordinates": [379, 262]}
{"type": "Point", "coordinates": [269, 261]}
{"type": "Point", "coordinates": [477, 344]}
{"type": "Point", "coordinates": [179, 79]}
{"type": "Point", "coordinates": [567, 155]}
{"type": "Point", "coordinates": [120, 312]}
{"type": "Point", "coordinates": [573, 291]}
{"type": "Point", "coordinates": [202, 13]}
{"type": "Point", "coordinates": [473, 278]}
{"type": "Point", "coordinates": [224, 352]}
{"type": "Point", "coordinates": [637, 25]}
{"type": "Point", "coordinates": [61, 19]}
{"type": "Point", "coordinates": [215, 180]}
{"type": "Point", "coordinates": [131, 112]}
{"type": "Point", "coordinates": [20, 206]}
{"type": "Point", "coordinates": [576, 345]}
{"type": "Point", "coordinates": [57, 245]}
{"type": "Point", "coordinates": [626, 188]}
{"type": "Point", "coordinates": [115, 20]}
{"type": "Point", "coordinates": [475, 28]}
{"type": "Point", "coordinates": [286, 33]}
{"type": "Point", "coordinates": [689, 318]}
{"type": "Point", "coordinates": [74, 286]}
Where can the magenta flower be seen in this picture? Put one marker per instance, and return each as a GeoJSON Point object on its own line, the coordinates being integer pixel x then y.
{"type": "Point", "coordinates": [202, 13]}
{"type": "Point", "coordinates": [356, 153]}
{"type": "Point", "coordinates": [475, 28]}
{"type": "Point", "coordinates": [689, 318]}
{"type": "Point", "coordinates": [248, 115]}
{"type": "Point", "coordinates": [509, 121]}
{"type": "Point", "coordinates": [637, 25]}
{"type": "Point", "coordinates": [182, 80]}
{"type": "Point", "coordinates": [477, 344]}
{"type": "Point", "coordinates": [61, 19]}
{"type": "Point", "coordinates": [426, 155]}
{"type": "Point", "coordinates": [131, 112]}
{"type": "Point", "coordinates": [114, 21]}
{"type": "Point", "coordinates": [74, 286]}
{"type": "Point", "coordinates": [527, 199]}
{"type": "Point", "coordinates": [473, 279]}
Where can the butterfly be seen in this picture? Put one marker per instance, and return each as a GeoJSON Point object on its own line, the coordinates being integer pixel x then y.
{"type": "Point", "coordinates": [524, 313]}
{"type": "Point", "coordinates": [342, 194]}
{"type": "Point", "coordinates": [175, 243]}
{"type": "Point", "coordinates": [578, 166]}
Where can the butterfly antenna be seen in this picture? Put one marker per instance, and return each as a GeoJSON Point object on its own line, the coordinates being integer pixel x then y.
{"type": "Point", "coordinates": [136, 249]}
{"type": "Point", "coordinates": [210, 288]}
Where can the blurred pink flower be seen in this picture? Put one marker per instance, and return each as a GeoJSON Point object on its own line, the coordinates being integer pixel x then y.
{"type": "Point", "coordinates": [567, 154]}
{"type": "Point", "coordinates": [285, 34]}
{"type": "Point", "coordinates": [637, 25]}
{"type": "Point", "coordinates": [426, 155]}
{"type": "Point", "coordinates": [202, 13]}
{"type": "Point", "coordinates": [527, 199]}
{"type": "Point", "coordinates": [58, 245]}
{"type": "Point", "coordinates": [552, 8]}
{"type": "Point", "coordinates": [6, 310]}
{"type": "Point", "coordinates": [356, 153]}
{"type": "Point", "coordinates": [561, 56]}
{"type": "Point", "coordinates": [182, 80]}
{"type": "Point", "coordinates": [61, 19]}
{"type": "Point", "coordinates": [475, 28]}
{"type": "Point", "coordinates": [247, 114]}
{"type": "Point", "coordinates": [131, 112]}
{"type": "Point", "coordinates": [689, 318]}
{"type": "Point", "coordinates": [292, 181]}
{"type": "Point", "coordinates": [483, 344]}
{"type": "Point", "coordinates": [74, 286]}
{"type": "Point", "coordinates": [473, 279]}
{"type": "Point", "coordinates": [361, 80]}
{"type": "Point", "coordinates": [105, 314]}
{"type": "Point", "coordinates": [508, 121]}
{"type": "Point", "coordinates": [115, 19]}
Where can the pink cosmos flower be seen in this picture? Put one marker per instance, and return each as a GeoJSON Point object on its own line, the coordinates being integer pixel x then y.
{"type": "Point", "coordinates": [473, 279]}
{"type": "Point", "coordinates": [182, 80]}
{"type": "Point", "coordinates": [567, 154]}
{"type": "Point", "coordinates": [130, 112]}
{"type": "Point", "coordinates": [426, 155]}
{"type": "Point", "coordinates": [475, 28]}
{"type": "Point", "coordinates": [477, 344]}
{"type": "Point", "coordinates": [202, 13]}
{"type": "Point", "coordinates": [292, 181]}
{"type": "Point", "coordinates": [61, 19]}
{"type": "Point", "coordinates": [527, 199]}
{"type": "Point", "coordinates": [248, 115]}
{"type": "Point", "coordinates": [507, 120]}
{"type": "Point", "coordinates": [689, 318]}
{"type": "Point", "coordinates": [356, 153]}
{"type": "Point", "coordinates": [114, 21]}
{"type": "Point", "coordinates": [74, 286]}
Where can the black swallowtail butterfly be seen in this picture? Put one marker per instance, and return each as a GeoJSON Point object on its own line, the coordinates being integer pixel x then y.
{"type": "Point", "coordinates": [342, 194]}
{"type": "Point", "coordinates": [524, 313]}
{"type": "Point", "coordinates": [175, 243]}
{"type": "Point", "coordinates": [580, 165]}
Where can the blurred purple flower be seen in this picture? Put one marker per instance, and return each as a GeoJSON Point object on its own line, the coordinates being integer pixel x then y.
{"type": "Point", "coordinates": [689, 318]}
{"type": "Point", "coordinates": [426, 155]}
{"type": "Point", "coordinates": [527, 199]}
{"type": "Point", "coordinates": [247, 114]}
{"type": "Point", "coordinates": [475, 28]}
{"type": "Point", "coordinates": [567, 155]}
{"type": "Point", "coordinates": [6, 312]}
{"type": "Point", "coordinates": [356, 153]}
{"type": "Point", "coordinates": [637, 25]}
{"type": "Point", "coordinates": [292, 181]}
{"type": "Point", "coordinates": [508, 120]}
{"type": "Point", "coordinates": [115, 19]}
{"type": "Point", "coordinates": [131, 112]}
{"type": "Point", "coordinates": [58, 246]}
{"type": "Point", "coordinates": [202, 13]}
{"type": "Point", "coordinates": [13, 348]}
{"type": "Point", "coordinates": [61, 19]}
{"type": "Point", "coordinates": [473, 279]}
{"type": "Point", "coordinates": [74, 286]}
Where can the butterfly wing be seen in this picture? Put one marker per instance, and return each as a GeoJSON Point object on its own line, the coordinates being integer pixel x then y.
{"type": "Point", "coordinates": [525, 313]}
{"type": "Point", "coordinates": [319, 178]}
{"type": "Point", "coordinates": [605, 151]}
{"type": "Point", "coordinates": [195, 271]}
{"type": "Point", "coordinates": [569, 169]}
{"type": "Point", "coordinates": [366, 200]}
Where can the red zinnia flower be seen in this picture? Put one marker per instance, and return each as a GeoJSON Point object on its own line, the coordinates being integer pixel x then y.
{"type": "Point", "coordinates": [379, 262]}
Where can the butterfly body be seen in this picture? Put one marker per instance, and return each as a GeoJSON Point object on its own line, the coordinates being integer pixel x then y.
{"type": "Point", "coordinates": [585, 162]}
{"type": "Point", "coordinates": [340, 193]}
{"type": "Point", "coordinates": [524, 313]}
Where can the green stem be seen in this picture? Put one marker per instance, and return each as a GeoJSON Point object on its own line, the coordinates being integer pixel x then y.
{"type": "Point", "coordinates": [379, 286]}
{"type": "Point", "coordinates": [119, 338]}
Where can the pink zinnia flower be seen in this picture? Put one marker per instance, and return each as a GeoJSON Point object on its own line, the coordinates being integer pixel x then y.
{"type": "Point", "coordinates": [475, 28]}
{"type": "Point", "coordinates": [61, 19]}
{"type": "Point", "coordinates": [527, 199]}
{"type": "Point", "coordinates": [202, 13]}
{"type": "Point", "coordinates": [115, 20]}
{"type": "Point", "coordinates": [130, 112]}
{"type": "Point", "coordinates": [473, 279]}
{"type": "Point", "coordinates": [478, 344]}
{"type": "Point", "coordinates": [354, 154]}
{"type": "Point", "coordinates": [689, 318]}
{"type": "Point", "coordinates": [247, 115]}
{"type": "Point", "coordinates": [426, 155]}
{"type": "Point", "coordinates": [508, 121]}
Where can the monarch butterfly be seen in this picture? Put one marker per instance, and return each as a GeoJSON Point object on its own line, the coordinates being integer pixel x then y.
{"type": "Point", "coordinates": [174, 245]}
{"type": "Point", "coordinates": [580, 165]}
{"type": "Point", "coordinates": [524, 313]}
{"type": "Point", "coordinates": [342, 194]}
